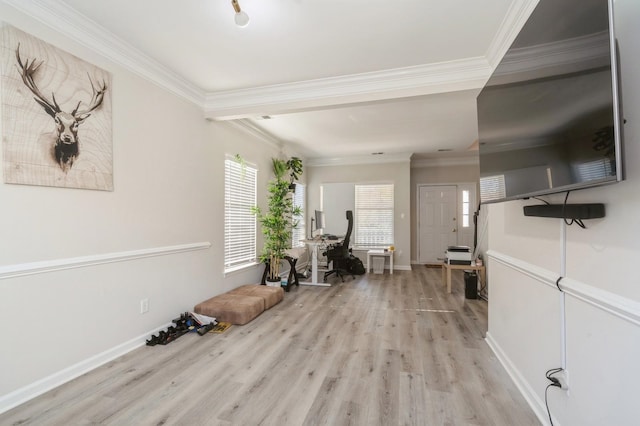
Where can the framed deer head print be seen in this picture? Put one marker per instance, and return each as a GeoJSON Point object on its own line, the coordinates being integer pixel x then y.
{"type": "Point", "coordinates": [56, 116]}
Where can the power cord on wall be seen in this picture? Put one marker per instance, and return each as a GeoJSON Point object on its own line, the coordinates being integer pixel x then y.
{"type": "Point", "coordinates": [540, 199]}
{"type": "Point", "coordinates": [555, 382]}
{"type": "Point", "coordinates": [572, 221]}
{"type": "Point", "coordinates": [483, 287]}
{"type": "Point", "coordinates": [558, 285]}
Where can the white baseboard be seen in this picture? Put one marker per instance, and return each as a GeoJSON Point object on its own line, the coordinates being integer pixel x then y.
{"type": "Point", "coordinates": [527, 392]}
{"type": "Point", "coordinates": [401, 267]}
{"type": "Point", "coordinates": [41, 386]}
{"type": "Point", "coordinates": [395, 267]}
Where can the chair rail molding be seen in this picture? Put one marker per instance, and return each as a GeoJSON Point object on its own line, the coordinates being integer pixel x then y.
{"type": "Point", "coordinates": [619, 306]}
{"type": "Point", "coordinates": [539, 274]}
{"type": "Point", "coordinates": [46, 266]}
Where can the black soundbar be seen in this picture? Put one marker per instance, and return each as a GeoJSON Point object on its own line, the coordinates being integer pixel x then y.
{"type": "Point", "coordinates": [567, 211]}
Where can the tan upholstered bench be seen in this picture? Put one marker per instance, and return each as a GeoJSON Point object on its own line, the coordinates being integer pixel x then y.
{"type": "Point", "coordinates": [271, 295]}
{"type": "Point", "coordinates": [237, 309]}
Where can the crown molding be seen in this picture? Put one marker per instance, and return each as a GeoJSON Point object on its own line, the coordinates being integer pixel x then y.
{"type": "Point", "coordinates": [445, 162]}
{"type": "Point", "coordinates": [450, 76]}
{"type": "Point", "coordinates": [360, 159]}
{"type": "Point", "coordinates": [463, 74]}
{"type": "Point", "coordinates": [514, 20]}
{"type": "Point", "coordinates": [248, 127]}
{"type": "Point", "coordinates": [575, 53]}
{"type": "Point", "coordinates": [67, 21]}
{"type": "Point", "coordinates": [418, 80]}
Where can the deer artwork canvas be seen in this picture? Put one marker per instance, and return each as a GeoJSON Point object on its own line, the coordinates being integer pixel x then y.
{"type": "Point", "coordinates": [56, 116]}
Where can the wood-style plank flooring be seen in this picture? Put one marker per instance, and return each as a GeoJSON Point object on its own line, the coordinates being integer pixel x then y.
{"type": "Point", "coordinates": [377, 350]}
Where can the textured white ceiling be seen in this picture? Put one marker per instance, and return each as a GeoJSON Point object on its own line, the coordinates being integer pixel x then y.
{"type": "Point", "coordinates": [425, 123]}
{"type": "Point", "coordinates": [298, 40]}
{"type": "Point", "coordinates": [289, 40]}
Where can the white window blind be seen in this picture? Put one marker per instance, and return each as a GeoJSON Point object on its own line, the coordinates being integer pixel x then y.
{"type": "Point", "coordinates": [298, 233]}
{"type": "Point", "coordinates": [239, 221]}
{"type": "Point", "coordinates": [492, 188]}
{"type": "Point", "coordinates": [373, 225]}
{"type": "Point", "coordinates": [594, 170]}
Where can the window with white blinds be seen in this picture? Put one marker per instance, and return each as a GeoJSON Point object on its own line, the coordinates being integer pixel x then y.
{"type": "Point", "coordinates": [492, 188]}
{"type": "Point", "coordinates": [239, 221]}
{"type": "Point", "coordinates": [298, 233]}
{"type": "Point", "coordinates": [594, 170]}
{"type": "Point", "coordinates": [373, 225]}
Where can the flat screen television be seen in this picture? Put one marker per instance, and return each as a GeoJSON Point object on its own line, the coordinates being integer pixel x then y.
{"type": "Point", "coordinates": [549, 117]}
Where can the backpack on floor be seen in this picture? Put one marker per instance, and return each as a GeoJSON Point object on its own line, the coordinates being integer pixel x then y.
{"type": "Point", "coordinates": [355, 266]}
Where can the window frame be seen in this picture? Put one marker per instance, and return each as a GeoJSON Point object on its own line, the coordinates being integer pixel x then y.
{"type": "Point", "coordinates": [492, 188]}
{"type": "Point", "coordinates": [299, 233]}
{"type": "Point", "coordinates": [465, 206]}
{"type": "Point", "coordinates": [362, 214]}
{"type": "Point", "coordinates": [240, 223]}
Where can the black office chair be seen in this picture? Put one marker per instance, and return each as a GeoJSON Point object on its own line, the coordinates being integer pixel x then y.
{"type": "Point", "coordinates": [338, 255]}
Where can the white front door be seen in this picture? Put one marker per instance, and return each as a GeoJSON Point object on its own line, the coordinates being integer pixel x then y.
{"type": "Point", "coordinates": [437, 222]}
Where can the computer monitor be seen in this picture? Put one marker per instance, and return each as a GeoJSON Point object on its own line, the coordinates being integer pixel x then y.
{"type": "Point", "coordinates": [319, 219]}
{"type": "Point", "coordinates": [317, 223]}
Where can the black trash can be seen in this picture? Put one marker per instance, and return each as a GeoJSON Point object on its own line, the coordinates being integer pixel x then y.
{"type": "Point", "coordinates": [470, 285]}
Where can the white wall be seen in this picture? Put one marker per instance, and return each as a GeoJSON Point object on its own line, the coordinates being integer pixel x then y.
{"type": "Point", "coordinates": [338, 198]}
{"type": "Point", "coordinates": [168, 179]}
{"type": "Point", "coordinates": [602, 288]}
{"type": "Point", "coordinates": [397, 173]}
{"type": "Point", "coordinates": [438, 174]}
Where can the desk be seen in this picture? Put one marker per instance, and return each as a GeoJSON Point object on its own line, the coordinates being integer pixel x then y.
{"type": "Point", "coordinates": [383, 253]}
{"type": "Point", "coordinates": [313, 248]}
{"type": "Point", "coordinates": [446, 273]}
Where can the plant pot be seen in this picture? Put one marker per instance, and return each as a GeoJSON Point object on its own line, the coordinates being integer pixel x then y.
{"type": "Point", "coordinates": [274, 283]}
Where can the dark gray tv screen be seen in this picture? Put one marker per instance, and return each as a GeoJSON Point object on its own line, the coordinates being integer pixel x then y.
{"type": "Point", "coordinates": [549, 116]}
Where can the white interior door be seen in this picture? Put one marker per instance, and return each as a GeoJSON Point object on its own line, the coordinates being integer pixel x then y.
{"type": "Point", "coordinates": [437, 221]}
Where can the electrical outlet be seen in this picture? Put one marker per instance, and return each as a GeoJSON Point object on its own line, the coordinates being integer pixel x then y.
{"type": "Point", "coordinates": [563, 379]}
{"type": "Point", "coordinates": [144, 306]}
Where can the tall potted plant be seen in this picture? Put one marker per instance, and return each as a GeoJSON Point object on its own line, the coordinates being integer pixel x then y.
{"type": "Point", "coordinates": [279, 219]}
{"type": "Point", "coordinates": [294, 165]}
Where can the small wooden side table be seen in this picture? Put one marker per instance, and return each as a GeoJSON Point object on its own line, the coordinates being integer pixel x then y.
{"type": "Point", "coordinates": [446, 273]}
{"type": "Point", "coordinates": [372, 253]}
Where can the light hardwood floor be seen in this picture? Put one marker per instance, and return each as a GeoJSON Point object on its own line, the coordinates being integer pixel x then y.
{"type": "Point", "coordinates": [377, 350]}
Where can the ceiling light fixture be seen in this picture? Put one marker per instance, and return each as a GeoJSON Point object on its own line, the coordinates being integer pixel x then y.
{"type": "Point", "coordinates": [241, 18]}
